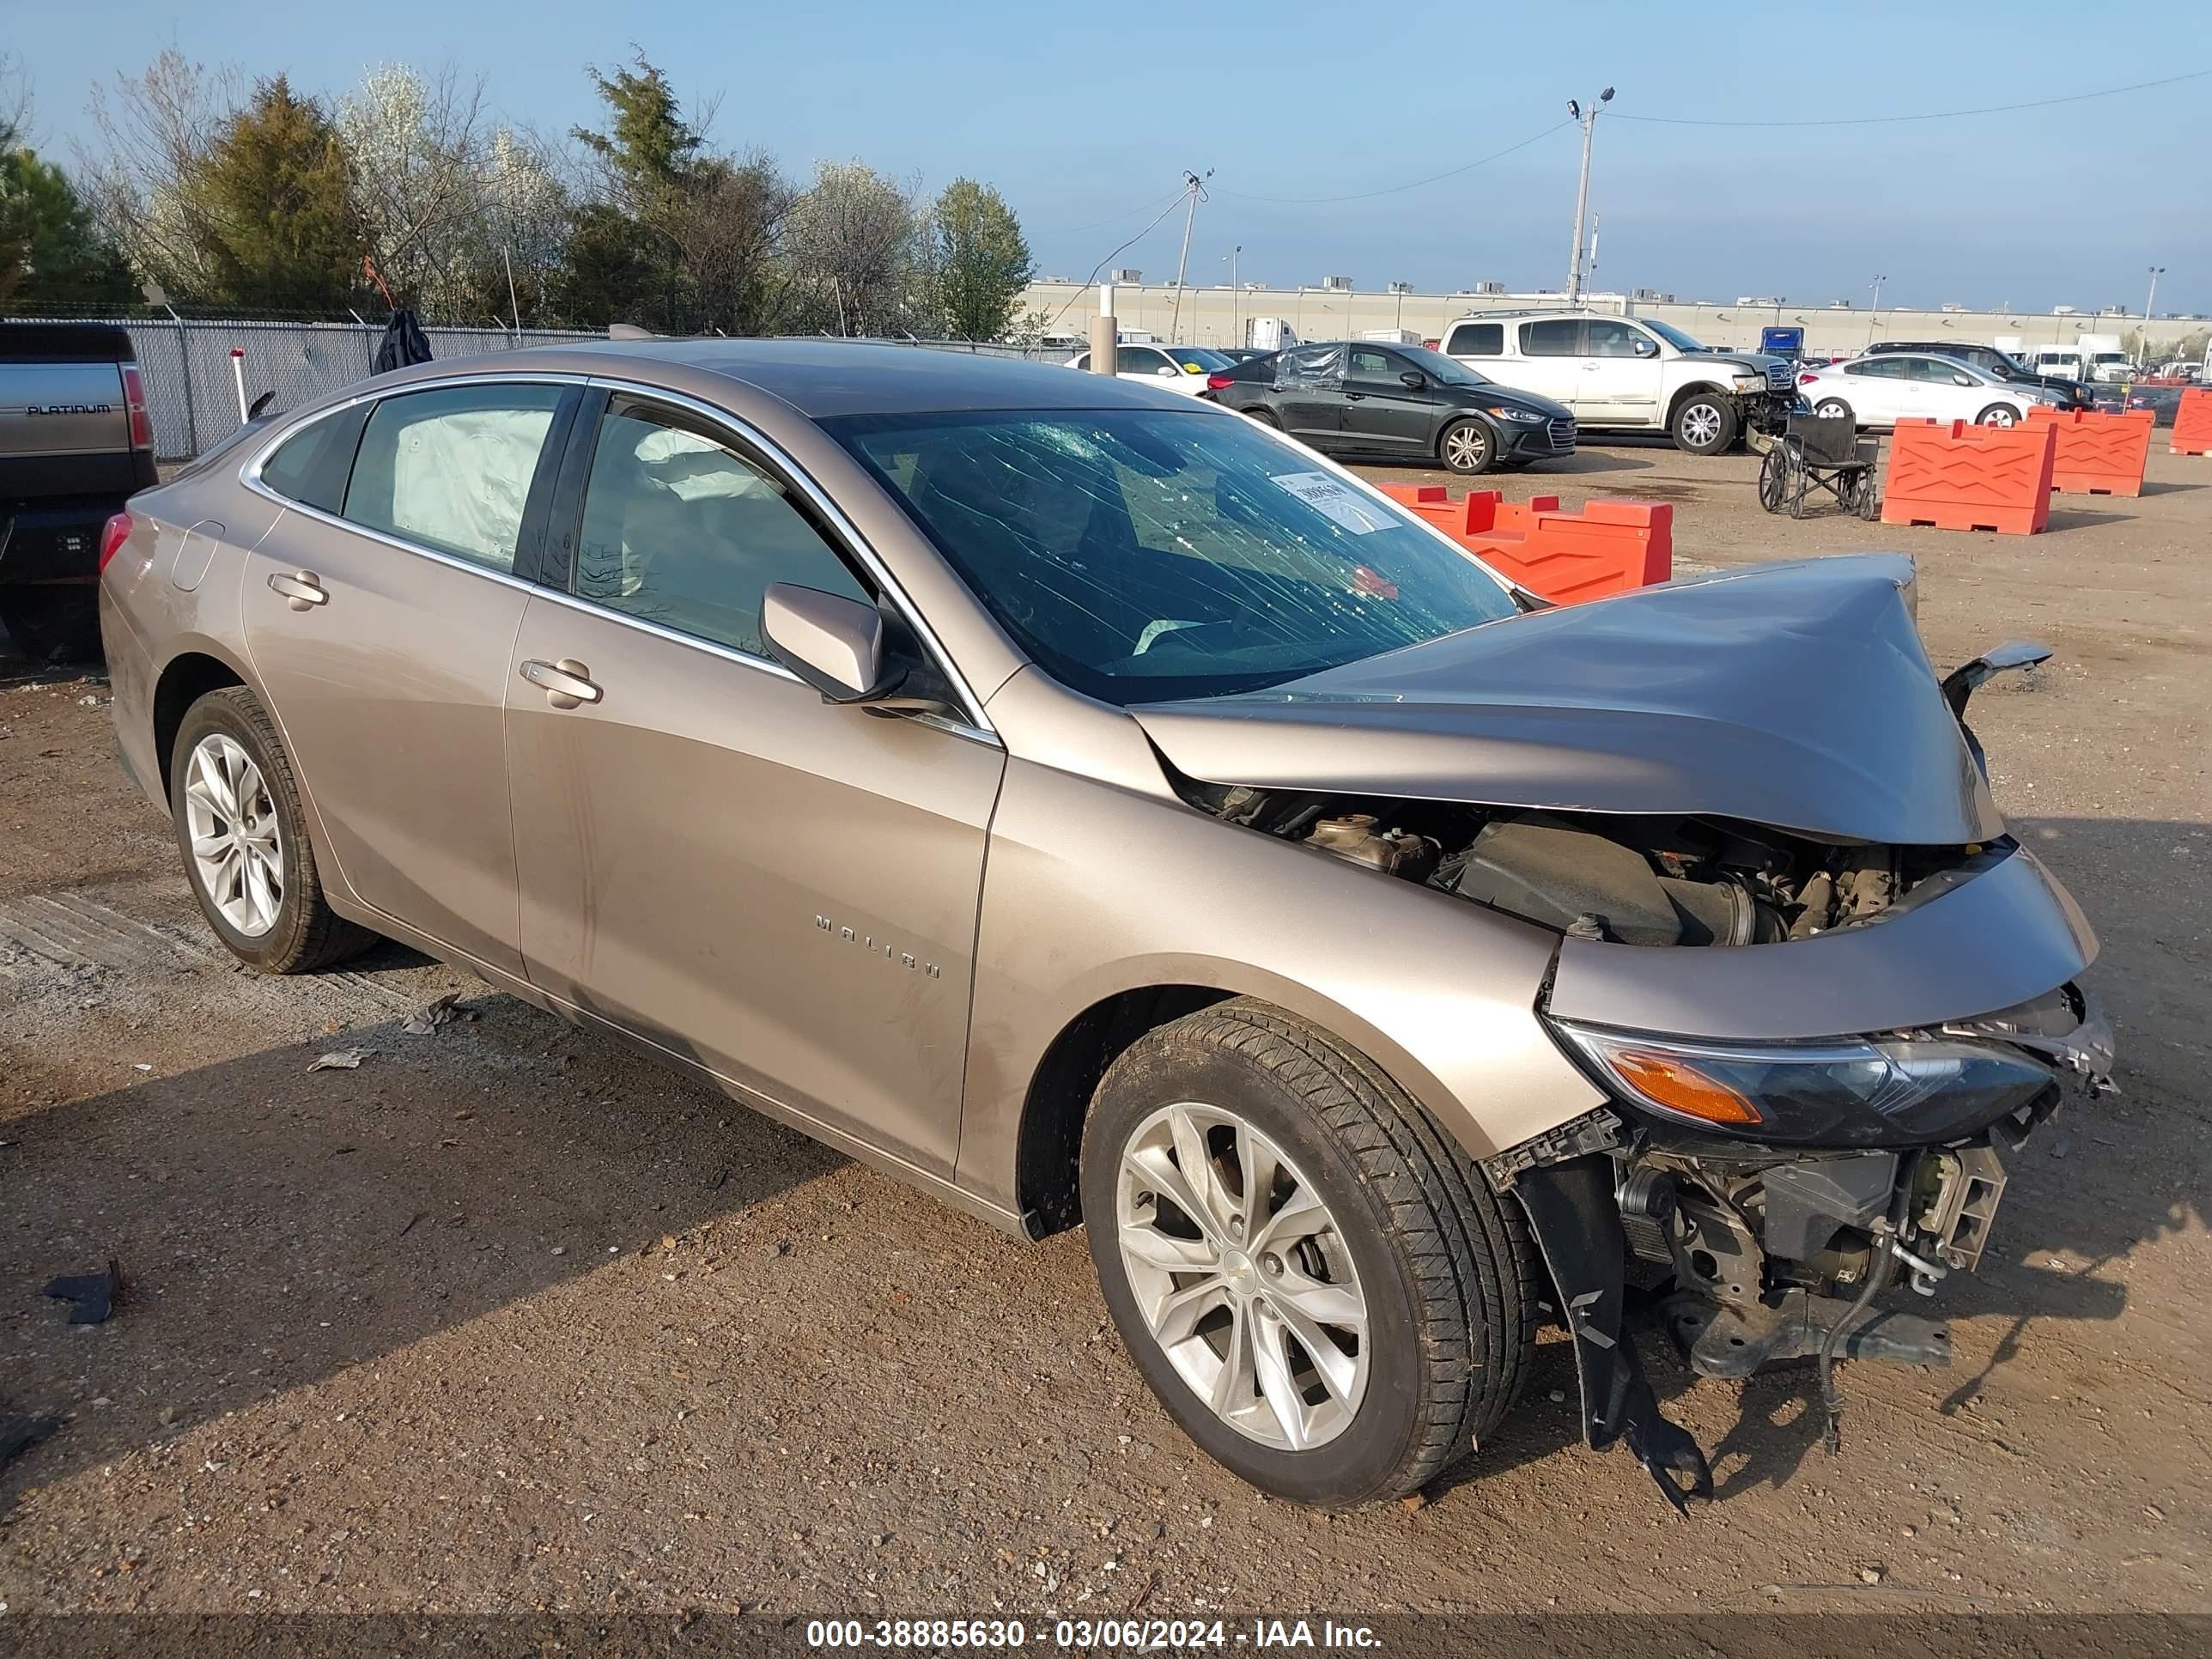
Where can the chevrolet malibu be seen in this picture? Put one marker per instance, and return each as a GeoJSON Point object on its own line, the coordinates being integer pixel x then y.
{"type": "Point", "coordinates": [1097, 810]}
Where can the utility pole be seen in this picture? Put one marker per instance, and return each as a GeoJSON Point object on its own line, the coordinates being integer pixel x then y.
{"type": "Point", "coordinates": [1236, 300]}
{"type": "Point", "coordinates": [1196, 186]}
{"type": "Point", "coordinates": [1872, 320]}
{"type": "Point", "coordinates": [1588, 118]}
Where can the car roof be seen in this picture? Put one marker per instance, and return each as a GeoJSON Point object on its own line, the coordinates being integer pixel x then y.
{"type": "Point", "coordinates": [821, 379]}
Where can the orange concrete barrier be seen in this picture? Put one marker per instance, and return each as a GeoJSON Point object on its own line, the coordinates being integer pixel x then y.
{"type": "Point", "coordinates": [2097, 454]}
{"type": "Point", "coordinates": [2192, 422]}
{"type": "Point", "coordinates": [1957, 475]}
{"type": "Point", "coordinates": [1609, 547]}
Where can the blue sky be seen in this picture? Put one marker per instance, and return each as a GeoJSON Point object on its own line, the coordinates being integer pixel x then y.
{"type": "Point", "coordinates": [2041, 207]}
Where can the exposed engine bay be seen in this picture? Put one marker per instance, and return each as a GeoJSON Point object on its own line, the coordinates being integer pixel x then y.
{"type": "Point", "coordinates": [1655, 881]}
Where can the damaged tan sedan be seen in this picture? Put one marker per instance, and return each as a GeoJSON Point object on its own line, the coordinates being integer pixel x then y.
{"type": "Point", "coordinates": [1100, 811]}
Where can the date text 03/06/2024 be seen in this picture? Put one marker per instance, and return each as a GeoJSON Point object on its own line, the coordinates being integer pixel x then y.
{"type": "Point", "coordinates": [1088, 1634]}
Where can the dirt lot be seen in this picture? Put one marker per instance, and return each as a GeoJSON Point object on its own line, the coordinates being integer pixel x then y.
{"type": "Point", "coordinates": [506, 1319]}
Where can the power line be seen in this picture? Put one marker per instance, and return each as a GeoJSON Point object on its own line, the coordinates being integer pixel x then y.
{"type": "Point", "coordinates": [1393, 190]}
{"type": "Point", "coordinates": [1100, 224]}
{"type": "Point", "coordinates": [1117, 253]}
{"type": "Point", "coordinates": [1931, 115]}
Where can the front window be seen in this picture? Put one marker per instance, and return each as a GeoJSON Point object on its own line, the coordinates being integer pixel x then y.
{"type": "Point", "coordinates": [1197, 360]}
{"type": "Point", "coordinates": [1672, 337]}
{"type": "Point", "coordinates": [1145, 556]}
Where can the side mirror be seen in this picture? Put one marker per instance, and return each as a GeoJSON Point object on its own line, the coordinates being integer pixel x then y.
{"type": "Point", "coordinates": [1646, 349]}
{"type": "Point", "coordinates": [1412, 379]}
{"type": "Point", "coordinates": [1962, 379]}
{"type": "Point", "coordinates": [832, 643]}
{"type": "Point", "coordinates": [1168, 369]}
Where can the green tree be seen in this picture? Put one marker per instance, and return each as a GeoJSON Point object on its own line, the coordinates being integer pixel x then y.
{"type": "Point", "coordinates": [982, 261]}
{"type": "Point", "coordinates": [680, 237]}
{"type": "Point", "coordinates": [280, 224]}
{"type": "Point", "coordinates": [50, 250]}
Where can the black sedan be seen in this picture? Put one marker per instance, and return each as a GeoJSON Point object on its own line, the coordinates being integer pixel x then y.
{"type": "Point", "coordinates": [1396, 403]}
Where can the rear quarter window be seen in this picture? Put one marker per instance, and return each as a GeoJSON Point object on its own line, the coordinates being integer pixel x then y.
{"type": "Point", "coordinates": [311, 467]}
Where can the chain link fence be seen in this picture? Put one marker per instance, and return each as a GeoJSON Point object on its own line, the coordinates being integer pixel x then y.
{"type": "Point", "coordinates": [192, 394]}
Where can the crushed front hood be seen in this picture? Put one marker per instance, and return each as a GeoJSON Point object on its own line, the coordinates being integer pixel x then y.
{"type": "Point", "coordinates": [1794, 696]}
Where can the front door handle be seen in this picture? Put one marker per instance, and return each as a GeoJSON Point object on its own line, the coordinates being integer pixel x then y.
{"type": "Point", "coordinates": [566, 683]}
{"type": "Point", "coordinates": [301, 591]}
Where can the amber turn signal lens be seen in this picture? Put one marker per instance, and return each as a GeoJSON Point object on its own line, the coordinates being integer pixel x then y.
{"type": "Point", "coordinates": [1667, 1081]}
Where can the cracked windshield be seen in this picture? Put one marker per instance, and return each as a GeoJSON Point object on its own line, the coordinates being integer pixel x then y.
{"type": "Point", "coordinates": [1146, 556]}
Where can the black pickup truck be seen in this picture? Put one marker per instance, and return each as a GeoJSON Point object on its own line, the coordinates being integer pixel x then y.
{"type": "Point", "coordinates": [75, 441]}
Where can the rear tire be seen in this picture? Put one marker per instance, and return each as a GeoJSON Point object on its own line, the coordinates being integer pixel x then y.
{"type": "Point", "coordinates": [1834, 408]}
{"type": "Point", "coordinates": [1998, 414]}
{"type": "Point", "coordinates": [1369, 1205]}
{"type": "Point", "coordinates": [297, 931]}
{"type": "Point", "coordinates": [52, 625]}
{"type": "Point", "coordinates": [1704, 423]}
{"type": "Point", "coordinates": [1263, 415]}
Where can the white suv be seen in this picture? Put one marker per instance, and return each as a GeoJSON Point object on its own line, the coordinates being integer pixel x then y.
{"type": "Point", "coordinates": [1628, 374]}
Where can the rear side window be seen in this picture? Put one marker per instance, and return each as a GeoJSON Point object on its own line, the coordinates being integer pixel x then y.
{"type": "Point", "coordinates": [1476, 340]}
{"type": "Point", "coordinates": [310, 466]}
{"type": "Point", "coordinates": [451, 470]}
{"type": "Point", "coordinates": [1561, 336]}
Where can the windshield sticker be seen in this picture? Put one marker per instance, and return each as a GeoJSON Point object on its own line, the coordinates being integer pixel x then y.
{"type": "Point", "coordinates": [1341, 503]}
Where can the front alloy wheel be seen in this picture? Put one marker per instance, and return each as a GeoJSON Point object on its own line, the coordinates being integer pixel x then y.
{"type": "Point", "coordinates": [1316, 1282]}
{"type": "Point", "coordinates": [1243, 1276]}
{"type": "Point", "coordinates": [1468, 447]}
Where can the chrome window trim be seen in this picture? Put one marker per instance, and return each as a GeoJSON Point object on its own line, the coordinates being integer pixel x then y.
{"type": "Point", "coordinates": [976, 725]}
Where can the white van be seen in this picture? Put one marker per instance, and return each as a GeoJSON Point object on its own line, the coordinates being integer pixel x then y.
{"type": "Point", "coordinates": [2057, 360]}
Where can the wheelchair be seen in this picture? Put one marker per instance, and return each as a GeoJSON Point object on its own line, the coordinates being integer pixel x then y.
{"type": "Point", "coordinates": [1820, 453]}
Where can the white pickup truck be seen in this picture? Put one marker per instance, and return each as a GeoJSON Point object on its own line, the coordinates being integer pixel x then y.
{"type": "Point", "coordinates": [1628, 374]}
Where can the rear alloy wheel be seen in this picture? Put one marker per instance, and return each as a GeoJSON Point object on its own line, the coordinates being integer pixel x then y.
{"type": "Point", "coordinates": [245, 840]}
{"type": "Point", "coordinates": [1320, 1288]}
{"type": "Point", "coordinates": [1263, 415]}
{"type": "Point", "coordinates": [1832, 409]}
{"type": "Point", "coordinates": [1705, 424]}
{"type": "Point", "coordinates": [1468, 447]}
{"type": "Point", "coordinates": [1998, 414]}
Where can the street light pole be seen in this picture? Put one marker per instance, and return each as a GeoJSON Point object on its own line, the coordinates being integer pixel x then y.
{"type": "Point", "coordinates": [1236, 300]}
{"type": "Point", "coordinates": [2150, 299]}
{"type": "Point", "coordinates": [1873, 315]}
{"type": "Point", "coordinates": [1588, 118]}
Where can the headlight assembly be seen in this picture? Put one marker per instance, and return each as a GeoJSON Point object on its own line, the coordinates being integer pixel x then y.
{"type": "Point", "coordinates": [1851, 1091]}
{"type": "Point", "coordinates": [1749, 383]}
{"type": "Point", "coordinates": [1505, 414]}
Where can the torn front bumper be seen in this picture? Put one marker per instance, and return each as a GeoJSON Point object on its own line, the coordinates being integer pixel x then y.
{"type": "Point", "coordinates": [1766, 1252]}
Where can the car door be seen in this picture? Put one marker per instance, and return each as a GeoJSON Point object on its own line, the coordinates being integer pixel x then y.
{"type": "Point", "coordinates": [379, 624]}
{"type": "Point", "coordinates": [1936, 394]}
{"type": "Point", "coordinates": [1551, 363]}
{"type": "Point", "coordinates": [1620, 376]}
{"type": "Point", "coordinates": [1877, 390]}
{"type": "Point", "coordinates": [780, 889]}
{"type": "Point", "coordinates": [1146, 363]}
{"type": "Point", "coordinates": [1380, 412]}
{"type": "Point", "coordinates": [1310, 394]}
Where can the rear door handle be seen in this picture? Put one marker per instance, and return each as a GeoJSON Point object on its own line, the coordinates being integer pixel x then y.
{"type": "Point", "coordinates": [301, 591]}
{"type": "Point", "coordinates": [566, 683]}
{"type": "Point", "coordinates": [1355, 397]}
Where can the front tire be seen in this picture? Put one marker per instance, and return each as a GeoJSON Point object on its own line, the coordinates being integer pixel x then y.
{"type": "Point", "coordinates": [1705, 423]}
{"type": "Point", "coordinates": [243, 835]}
{"type": "Point", "coordinates": [1320, 1288]}
{"type": "Point", "coordinates": [1468, 447]}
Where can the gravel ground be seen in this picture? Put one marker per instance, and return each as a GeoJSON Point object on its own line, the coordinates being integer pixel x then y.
{"type": "Point", "coordinates": [506, 1320]}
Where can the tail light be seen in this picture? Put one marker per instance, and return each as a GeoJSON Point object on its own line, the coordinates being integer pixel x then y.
{"type": "Point", "coordinates": [1215, 382]}
{"type": "Point", "coordinates": [1807, 380]}
{"type": "Point", "coordinates": [1432, 345]}
{"type": "Point", "coordinates": [116, 531]}
{"type": "Point", "coordinates": [142, 423]}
